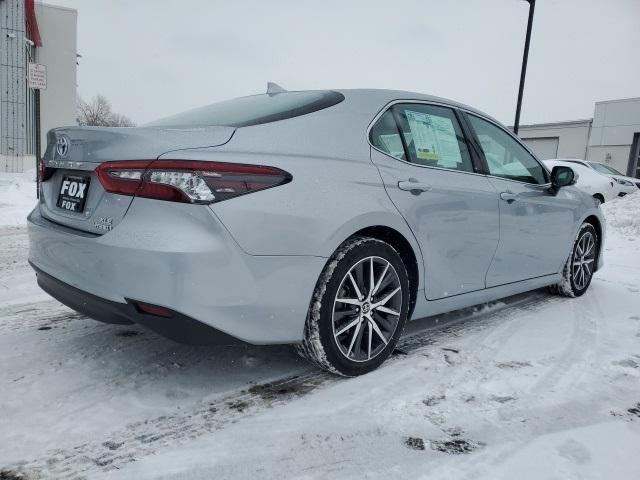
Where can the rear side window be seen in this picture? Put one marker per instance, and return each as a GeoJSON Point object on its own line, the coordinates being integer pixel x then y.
{"type": "Point", "coordinates": [386, 137]}
{"type": "Point", "coordinates": [426, 135]}
{"type": "Point", "coordinates": [253, 110]}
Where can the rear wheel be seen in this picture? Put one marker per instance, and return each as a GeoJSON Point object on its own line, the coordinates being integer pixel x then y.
{"type": "Point", "coordinates": [581, 264]}
{"type": "Point", "coordinates": [359, 308]}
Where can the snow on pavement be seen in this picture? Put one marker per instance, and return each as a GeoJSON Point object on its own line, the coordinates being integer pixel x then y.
{"type": "Point", "coordinates": [534, 386]}
{"type": "Point", "coordinates": [17, 197]}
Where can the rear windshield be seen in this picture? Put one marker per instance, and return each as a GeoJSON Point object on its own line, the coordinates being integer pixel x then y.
{"type": "Point", "coordinates": [604, 168]}
{"type": "Point", "coordinates": [253, 110]}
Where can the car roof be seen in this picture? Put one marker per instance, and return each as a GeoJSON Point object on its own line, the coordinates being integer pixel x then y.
{"type": "Point", "coordinates": [568, 160]}
{"type": "Point", "coordinates": [365, 98]}
{"type": "Point", "coordinates": [565, 162]}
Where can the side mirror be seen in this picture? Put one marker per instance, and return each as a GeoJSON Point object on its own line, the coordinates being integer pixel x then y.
{"type": "Point", "coordinates": [562, 176]}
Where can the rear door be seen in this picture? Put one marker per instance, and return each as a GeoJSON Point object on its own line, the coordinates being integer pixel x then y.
{"type": "Point", "coordinates": [431, 178]}
{"type": "Point", "coordinates": [536, 225]}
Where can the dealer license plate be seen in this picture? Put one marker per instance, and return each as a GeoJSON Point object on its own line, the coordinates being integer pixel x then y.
{"type": "Point", "coordinates": [73, 193]}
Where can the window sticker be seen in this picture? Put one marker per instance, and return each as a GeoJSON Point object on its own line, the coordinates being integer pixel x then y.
{"type": "Point", "coordinates": [434, 139]}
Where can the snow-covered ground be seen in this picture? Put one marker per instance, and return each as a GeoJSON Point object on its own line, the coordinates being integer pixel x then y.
{"type": "Point", "coordinates": [532, 387]}
{"type": "Point", "coordinates": [17, 197]}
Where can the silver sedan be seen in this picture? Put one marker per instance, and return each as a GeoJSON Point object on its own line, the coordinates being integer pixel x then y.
{"type": "Point", "coordinates": [325, 219]}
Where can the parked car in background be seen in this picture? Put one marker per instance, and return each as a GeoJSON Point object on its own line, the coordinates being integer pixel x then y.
{"type": "Point", "coordinates": [325, 219]}
{"type": "Point", "coordinates": [599, 186]}
{"type": "Point", "coordinates": [627, 184]}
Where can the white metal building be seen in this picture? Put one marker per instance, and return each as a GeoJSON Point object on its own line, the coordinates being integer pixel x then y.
{"type": "Point", "coordinates": [611, 137]}
{"type": "Point", "coordinates": [615, 135]}
{"type": "Point", "coordinates": [558, 139]}
{"type": "Point", "coordinates": [44, 36]}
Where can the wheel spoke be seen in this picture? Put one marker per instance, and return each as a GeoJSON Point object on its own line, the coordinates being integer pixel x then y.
{"type": "Point", "coordinates": [384, 273]}
{"type": "Point", "coordinates": [353, 339]}
{"type": "Point", "coordinates": [347, 327]}
{"type": "Point", "coordinates": [359, 348]}
{"type": "Point", "coordinates": [590, 245]}
{"type": "Point", "coordinates": [373, 323]}
{"type": "Point", "coordinates": [355, 286]}
{"type": "Point", "coordinates": [349, 301]}
{"type": "Point", "coordinates": [388, 310]}
{"type": "Point", "coordinates": [385, 324]}
{"type": "Point", "coordinates": [338, 315]}
{"type": "Point", "coordinates": [369, 340]}
{"type": "Point", "coordinates": [371, 282]}
{"type": "Point", "coordinates": [387, 298]}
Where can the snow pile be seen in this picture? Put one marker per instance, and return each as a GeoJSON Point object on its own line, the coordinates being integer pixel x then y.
{"type": "Point", "coordinates": [17, 197]}
{"type": "Point", "coordinates": [623, 215]}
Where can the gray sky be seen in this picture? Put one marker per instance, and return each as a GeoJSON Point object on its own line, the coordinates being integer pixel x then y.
{"type": "Point", "coordinates": [152, 58]}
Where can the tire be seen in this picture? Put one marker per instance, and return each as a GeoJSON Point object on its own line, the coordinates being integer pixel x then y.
{"type": "Point", "coordinates": [574, 283]}
{"type": "Point", "coordinates": [599, 198]}
{"type": "Point", "coordinates": [363, 335]}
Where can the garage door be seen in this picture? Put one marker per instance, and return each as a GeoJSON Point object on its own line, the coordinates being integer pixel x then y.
{"type": "Point", "coordinates": [544, 148]}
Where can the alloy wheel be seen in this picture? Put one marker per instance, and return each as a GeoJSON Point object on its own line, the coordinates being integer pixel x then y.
{"type": "Point", "coordinates": [582, 264]}
{"type": "Point", "coordinates": [367, 309]}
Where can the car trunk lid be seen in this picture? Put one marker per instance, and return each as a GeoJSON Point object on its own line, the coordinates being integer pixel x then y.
{"type": "Point", "coordinates": [73, 196]}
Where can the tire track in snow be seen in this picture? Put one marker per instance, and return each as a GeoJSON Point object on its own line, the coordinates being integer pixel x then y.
{"type": "Point", "coordinates": [573, 359]}
{"type": "Point", "coordinates": [567, 370]}
{"type": "Point", "coordinates": [146, 437]}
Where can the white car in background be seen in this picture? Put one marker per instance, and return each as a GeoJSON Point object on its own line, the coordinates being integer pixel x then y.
{"type": "Point", "coordinates": [599, 186]}
{"type": "Point", "coordinates": [626, 184]}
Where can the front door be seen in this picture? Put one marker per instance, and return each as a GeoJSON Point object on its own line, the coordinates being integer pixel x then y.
{"type": "Point", "coordinates": [536, 225]}
{"type": "Point", "coordinates": [430, 177]}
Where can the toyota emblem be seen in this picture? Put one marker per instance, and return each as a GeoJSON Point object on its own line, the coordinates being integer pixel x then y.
{"type": "Point", "coordinates": [62, 146]}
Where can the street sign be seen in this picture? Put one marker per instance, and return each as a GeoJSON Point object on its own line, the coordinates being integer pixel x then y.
{"type": "Point", "coordinates": [37, 76]}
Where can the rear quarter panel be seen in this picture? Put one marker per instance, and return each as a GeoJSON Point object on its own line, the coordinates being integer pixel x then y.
{"type": "Point", "coordinates": [327, 201]}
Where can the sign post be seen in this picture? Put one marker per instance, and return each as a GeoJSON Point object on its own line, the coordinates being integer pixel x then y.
{"type": "Point", "coordinates": [37, 80]}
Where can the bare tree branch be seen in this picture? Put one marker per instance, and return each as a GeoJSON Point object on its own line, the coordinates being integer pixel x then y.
{"type": "Point", "coordinates": [98, 113]}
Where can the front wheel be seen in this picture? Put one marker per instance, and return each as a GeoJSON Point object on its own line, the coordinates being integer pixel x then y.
{"type": "Point", "coordinates": [581, 264]}
{"type": "Point", "coordinates": [359, 308]}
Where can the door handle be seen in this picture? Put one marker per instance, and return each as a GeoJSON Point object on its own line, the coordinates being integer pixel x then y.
{"type": "Point", "coordinates": [414, 186]}
{"type": "Point", "coordinates": [509, 197]}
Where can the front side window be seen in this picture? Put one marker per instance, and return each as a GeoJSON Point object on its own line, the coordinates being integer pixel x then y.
{"type": "Point", "coordinates": [253, 110]}
{"type": "Point", "coordinates": [505, 157]}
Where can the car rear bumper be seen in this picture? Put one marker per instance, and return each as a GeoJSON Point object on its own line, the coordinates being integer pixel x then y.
{"type": "Point", "coordinates": [177, 327]}
{"type": "Point", "coordinates": [179, 257]}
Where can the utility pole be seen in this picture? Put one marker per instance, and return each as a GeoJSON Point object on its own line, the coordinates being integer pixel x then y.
{"type": "Point", "coordinates": [523, 72]}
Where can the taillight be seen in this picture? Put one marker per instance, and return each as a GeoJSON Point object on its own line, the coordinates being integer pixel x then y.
{"type": "Point", "coordinates": [187, 181]}
{"type": "Point", "coordinates": [44, 172]}
{"type": "Point", "coordinates": [122, 177]}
